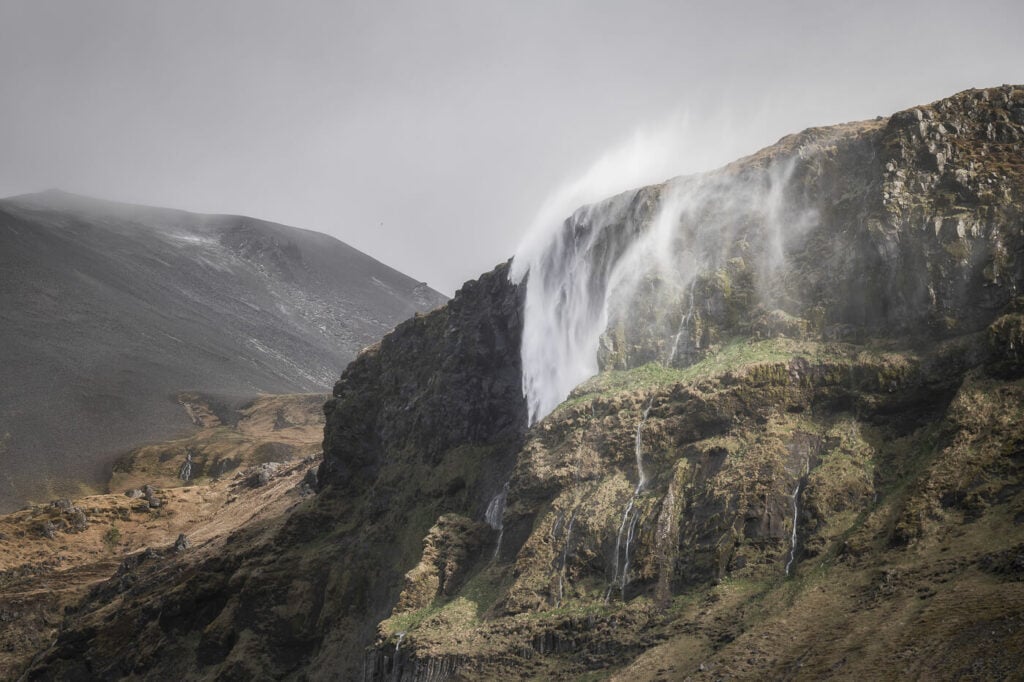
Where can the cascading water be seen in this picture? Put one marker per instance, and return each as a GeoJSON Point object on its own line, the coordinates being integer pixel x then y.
{"type": "Point", "coordinates": [796, 511]}
{"type": "Point", "coordinates": [590, 268]}
{"type": "Point", "coordinates": [632, 515]}
{"type": "Point", "coordinates": [185, 472]}
{"type": "Point", "coordinates": [585, 275]}
{"type": "Point", "coordinates": [566, 303]}
{"type": "Point", "coordinates": [494, 516]}
{"type": "Point", "coordinates": [395, 672]}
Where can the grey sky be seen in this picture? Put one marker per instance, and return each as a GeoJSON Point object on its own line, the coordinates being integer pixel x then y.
{"type": "Point", "coordinates": [429, 133]}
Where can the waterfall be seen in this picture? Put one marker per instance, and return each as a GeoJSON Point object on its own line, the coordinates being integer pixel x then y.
{"type": "Point", "coordinates": [795, 497]}
{"type": "Point", "coordinates": [584, 273]}
{"type": "Point", "coordinates": [395, 672]}
{"type": "Point", "coordinates": [587, 273]}
{"type": "Point", "coordinates": [631, 509]}
{"type": "Point", "coordinates": [185, 472]}
{"type": "Point", "coordinates": [494, 516]}
{"type": "Point", "coordinates": [566, 308]}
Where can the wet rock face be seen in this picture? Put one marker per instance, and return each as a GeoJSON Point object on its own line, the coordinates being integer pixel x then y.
{"type": "Point", "coordinates": [952, 208]}
{"type": "Point", "coordinates": [907, 227]}
{"type": "Point", "coordinates": [451, 377]}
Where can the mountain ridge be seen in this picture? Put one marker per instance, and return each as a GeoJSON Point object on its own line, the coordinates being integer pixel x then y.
{"type": "Point", "coordinates": [116, 309]}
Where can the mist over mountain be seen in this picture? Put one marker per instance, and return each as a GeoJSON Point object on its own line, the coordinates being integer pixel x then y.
{"type": "Point", "coordinates": [108, 311]}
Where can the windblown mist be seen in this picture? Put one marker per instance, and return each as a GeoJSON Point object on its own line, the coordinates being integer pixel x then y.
{"type": "Point", "coordinates": [642, 248]}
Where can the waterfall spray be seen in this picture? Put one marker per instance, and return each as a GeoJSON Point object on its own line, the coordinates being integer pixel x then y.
{"type": "Point", "coordinates": [588, 271]}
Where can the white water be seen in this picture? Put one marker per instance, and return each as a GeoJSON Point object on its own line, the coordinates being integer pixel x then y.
{"type": "Point", "coordinates": [394, 664]}
{"type": "Point", "coordinates": [792, 537]}
{"type": "Point", "coordinates": [796, 510]}
{"type": "Point", "coordinates": [583, 274]}
{"type": "Point", "coordinates": [684, 324]}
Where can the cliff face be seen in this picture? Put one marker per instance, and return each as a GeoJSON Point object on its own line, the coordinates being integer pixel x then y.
{"type": "Point", "coordinates": [827, 390]}
{"type": "Point", "coordinates": [440, 381]}
{"type": "Point", "coordinates": [802, 456]}
{"type": "Point", "coordinates": [424, 423]}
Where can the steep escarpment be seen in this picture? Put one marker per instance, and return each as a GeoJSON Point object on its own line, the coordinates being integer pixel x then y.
{"type": "Point", "coordinates": [791, 348]}
{"type": "Point", "coordinates": [800, 455]}
{"type": "Point", "coordinates": [437, 382]}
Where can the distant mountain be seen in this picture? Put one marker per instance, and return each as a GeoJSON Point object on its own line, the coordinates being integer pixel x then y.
{"type": "Point", "coordinates": [108, 311]}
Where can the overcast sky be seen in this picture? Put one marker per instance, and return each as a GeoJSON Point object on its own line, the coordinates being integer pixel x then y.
{"type": "Point", "coordinates": [429, 133]}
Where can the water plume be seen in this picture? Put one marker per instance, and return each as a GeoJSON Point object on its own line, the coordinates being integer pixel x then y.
{"type": "Point", "coordinates": [644, 249]}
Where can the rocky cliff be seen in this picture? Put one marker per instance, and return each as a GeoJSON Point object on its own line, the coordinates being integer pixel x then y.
{"type": "Point", "coordinates": [801, 458]}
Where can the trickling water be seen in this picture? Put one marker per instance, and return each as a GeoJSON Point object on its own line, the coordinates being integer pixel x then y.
{"type": "Point", "coordinates": [618, 545]}
{"type": "Point", "coordinates": [395, 672]}
{"type": "Point", "coordinates": [684, 324]}
{"type": "Point", "coordinates": [796, 510]}
{"type": "Point", "coordinates": [494, 516]}
{"type": "Point", "coordinates": [185, 472]}
{"type": "Point", "coordinates": [629, 541]}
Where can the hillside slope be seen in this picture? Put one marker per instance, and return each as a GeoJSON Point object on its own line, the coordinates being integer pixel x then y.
{"type": "Point", "coordinates": [801, 456]}
{"type": "Point", "coordinates": [52, 555]}
{"type": "Point", "coordinates": [109, 311]}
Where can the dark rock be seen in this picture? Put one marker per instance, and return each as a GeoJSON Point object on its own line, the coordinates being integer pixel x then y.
{"type": "Point", "coordinates": [310, 479]}
{"type": "Point", "coordinates": [308, 484]}
{"type": "Point", "coordinates": [182, 543]}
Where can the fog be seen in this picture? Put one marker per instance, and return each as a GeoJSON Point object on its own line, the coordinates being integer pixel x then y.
{"type": "Point", "coordinates": [433, 135]}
